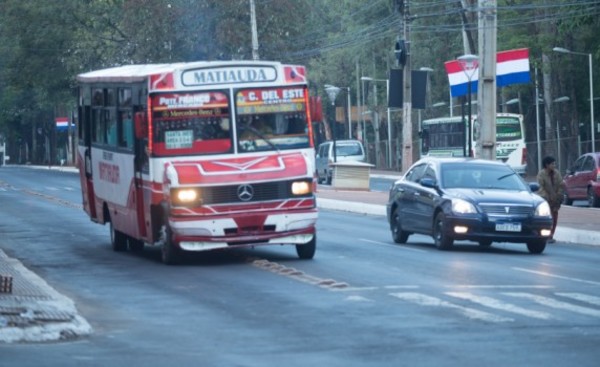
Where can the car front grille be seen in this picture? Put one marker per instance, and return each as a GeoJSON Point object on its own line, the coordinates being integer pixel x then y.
{"type": "Point", "coordinates": [500, 210]}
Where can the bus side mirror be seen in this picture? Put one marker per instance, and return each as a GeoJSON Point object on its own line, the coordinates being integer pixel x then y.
{"type": "Point", "coordinates": [141, 127]}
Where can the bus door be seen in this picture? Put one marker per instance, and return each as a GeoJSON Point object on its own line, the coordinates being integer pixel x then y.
{"type": "Point", "coordinates": [141, 166]}
{"type": "Point", "coordinates": [85, 154]}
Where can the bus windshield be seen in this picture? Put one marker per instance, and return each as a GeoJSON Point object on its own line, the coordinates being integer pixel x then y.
{"type": "Point", "coordinates": [271, 119]}
{"type": "Point", "coordinates": [508, 129]}
{"type": "Point", "coordinates": [191, 123]}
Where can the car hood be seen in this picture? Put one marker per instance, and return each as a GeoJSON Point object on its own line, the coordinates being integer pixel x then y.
{"type": "Point", "coordinates": [481, 196]}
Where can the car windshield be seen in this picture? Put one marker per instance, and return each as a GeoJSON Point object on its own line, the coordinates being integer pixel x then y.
{"type": "Point", "coordinates": [348, 149]}
{"type": "Point", "coordinates": [480, 176]}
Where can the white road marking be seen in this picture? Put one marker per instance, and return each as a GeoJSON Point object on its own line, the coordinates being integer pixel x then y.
{"type": "Point", "coordinates": [499, 286]}
{"type": "Point", "coordinates": [550, 302]}
{"type": "Point", "coordinates": [557, 276]}
{"type": "Point", "coordinates": [424, 300]}
{"type": "Point", "coordinates": [581, 297]}
{"type": "Point", "coordinates": [499, 305]}
{"type": "Point", "coordinates": [393, 245]}
{"type": "Point", "coordinates": [358, 299]}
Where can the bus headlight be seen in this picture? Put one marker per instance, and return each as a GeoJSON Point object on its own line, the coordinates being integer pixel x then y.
{"type": "Point", "coordinates": [301, 188]}
{"type": "Point", "coordinates": [543, 210]}
{"type": "Point", "coordinates": [185, 196]}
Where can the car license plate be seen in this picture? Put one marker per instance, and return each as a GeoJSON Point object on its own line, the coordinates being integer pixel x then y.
{"type": "Point", "coordinates": [508, 227]}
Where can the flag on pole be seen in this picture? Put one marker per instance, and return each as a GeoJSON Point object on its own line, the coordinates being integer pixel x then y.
{"type": "Point", "coordinates": [512, 67]}
{"type": "Point", "coordinates": [62, 123]}
{"type": "Point", "coordinates": [459, 80]}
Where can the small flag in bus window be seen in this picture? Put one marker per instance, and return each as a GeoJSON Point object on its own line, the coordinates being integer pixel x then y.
{"type": "Point", "coordinates": [294, 73]}
{"type": "Point", "coordinates": [62, 123]}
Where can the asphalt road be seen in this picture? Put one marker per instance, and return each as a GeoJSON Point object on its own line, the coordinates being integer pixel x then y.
{"type": "Point", "coordinates": [363, 301]}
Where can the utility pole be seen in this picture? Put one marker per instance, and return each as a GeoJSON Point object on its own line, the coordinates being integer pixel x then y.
{"type": "Point", "coordinates": [407, 128]}
{"type": "Point", "coordinates": [254, 31]}
{"type": "Point", "coordinates": [486, 92]}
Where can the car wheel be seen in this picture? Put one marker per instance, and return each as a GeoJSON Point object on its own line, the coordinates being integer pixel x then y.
{"type": "Point", "coordinates": [398, 234]}
{"type": "Point", "coordinates": [537, 246]}
{"type": "Point", "coordinates": [328, 178]}
{"type": "Point", "coordinates": [170, 254]}
{"type": "Point", "coordinates": [118, 239]}
{"type": "Point", "coordinates": [593, 200]}
{"type": "Point", "coordinates": [485, 243]}
{"type": "Point", "coordinates": [441, 239]}
{"type": "Point", "coordinates": [566, 199]}
{"type": "Point", "coordinates": [307, 250]}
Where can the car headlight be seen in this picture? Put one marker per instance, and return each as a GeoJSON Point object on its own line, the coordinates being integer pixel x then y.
{"type": "Point", "coordinates": [460, 206]}
{"type": "Point", "coordinates": [185, 196]}
{"type": "Point", "coordinates": [543, 210]}
{"type": "Point", "coordinates": [301, 187]}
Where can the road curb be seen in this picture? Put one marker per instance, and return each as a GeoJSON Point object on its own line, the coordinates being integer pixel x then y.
{"type": "Point", "coordinates": [34, 311]}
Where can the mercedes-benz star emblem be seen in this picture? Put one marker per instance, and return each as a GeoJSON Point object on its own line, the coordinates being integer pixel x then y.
{"type": "Point", "coordinates": [245, 192]}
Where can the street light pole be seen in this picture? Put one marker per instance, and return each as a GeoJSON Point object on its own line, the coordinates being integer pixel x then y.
{"type": "Point", "coordinates": [332, 93]}
{"type": "Point", "coordinates": [469, 64]}
{"type": "Point", "coordinates": [537, 122]}
{"type": "Point", "coordinates": [592, 130]}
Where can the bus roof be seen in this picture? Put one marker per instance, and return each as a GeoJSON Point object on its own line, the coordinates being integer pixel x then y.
{"type": "Point", "coordinates": [454, 119]}
{"type": "Point", "coordinates": [141, 72]}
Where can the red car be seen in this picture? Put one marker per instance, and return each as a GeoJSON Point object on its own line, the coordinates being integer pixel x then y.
{"type": "Point", "coordinates": [582, 181]}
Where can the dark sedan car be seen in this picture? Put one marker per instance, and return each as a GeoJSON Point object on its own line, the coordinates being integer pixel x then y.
{"type": "Point", "coordinates": [582, 181]}
{"type": "Point", "coordinates": [467, 199]}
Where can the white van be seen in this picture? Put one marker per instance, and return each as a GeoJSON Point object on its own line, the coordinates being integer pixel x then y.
{"type": "Point", "coordinates": [346, 150]}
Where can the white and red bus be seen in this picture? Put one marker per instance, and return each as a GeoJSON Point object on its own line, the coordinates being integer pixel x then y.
{"type": "Point", "coordinates": [199, 156]}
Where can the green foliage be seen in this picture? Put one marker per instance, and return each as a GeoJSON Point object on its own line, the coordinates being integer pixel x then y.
{"type": "Point", "coordinates": [45, 44]}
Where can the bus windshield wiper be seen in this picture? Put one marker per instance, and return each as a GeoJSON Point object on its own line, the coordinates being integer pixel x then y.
{"type": "Point", "coordinates": [260, 135]}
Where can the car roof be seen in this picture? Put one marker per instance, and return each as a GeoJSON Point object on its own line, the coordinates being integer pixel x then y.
{"type": "Point", "coordinates": [342, 142]}
{"type": "Point", "coordinates": [463, 160]}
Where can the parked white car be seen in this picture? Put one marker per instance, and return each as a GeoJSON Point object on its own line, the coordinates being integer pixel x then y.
{"type": "Point", "coordinates": [346, 150]}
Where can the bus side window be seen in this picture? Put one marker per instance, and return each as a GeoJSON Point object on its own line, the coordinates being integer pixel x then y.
{"type": "Point", "coordinates": [126, 121]}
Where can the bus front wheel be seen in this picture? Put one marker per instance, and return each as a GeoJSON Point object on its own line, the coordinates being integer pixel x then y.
{"type": "Point", "coordinates": [307, 250]}
{"type": "Point", "coordinates": [170, 254]}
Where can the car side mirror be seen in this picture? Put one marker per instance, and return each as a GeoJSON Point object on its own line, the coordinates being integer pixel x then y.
{"type": "Point", "coordinates": [534, 186]}
{"type": "Point", "coordinates": [428, 182]}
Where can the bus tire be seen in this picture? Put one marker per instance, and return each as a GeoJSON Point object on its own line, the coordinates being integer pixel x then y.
{"type": "Point", "coordinates": [118, 239]}
{"type": "Point", "coordinates": [135, 245]}
{"type": "Point", "coordinates": [170, 254]}
{"type": "Point", "coordinates": [307, 250]}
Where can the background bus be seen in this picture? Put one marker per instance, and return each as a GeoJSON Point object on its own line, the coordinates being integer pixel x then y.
{"type": "Point", "coordinates": [445, 136]}
{"type": "Point", "coordinates": [199, 156]}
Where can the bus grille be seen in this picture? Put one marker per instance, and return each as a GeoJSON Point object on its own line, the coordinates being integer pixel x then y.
{"type": "Point", "coordinates": [264, 191]}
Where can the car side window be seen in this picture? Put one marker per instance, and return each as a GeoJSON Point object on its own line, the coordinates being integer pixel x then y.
{"type": "Point", "coordinates": [588, 164]}
{"type": "Point", "coordinates": [416, 173]}
{"type": "Point", "coordinates": [429, 173]}
{"type": "Point", "coordinates": [577, 165]}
